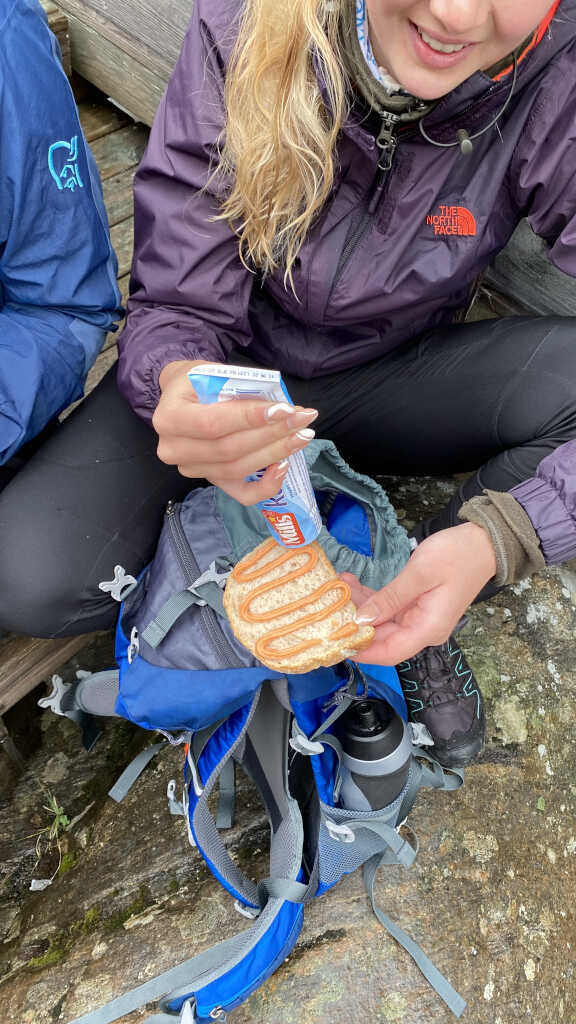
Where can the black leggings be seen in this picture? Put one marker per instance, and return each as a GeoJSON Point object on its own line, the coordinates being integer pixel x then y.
{"type": "Point", "coordinates": [497, 394]}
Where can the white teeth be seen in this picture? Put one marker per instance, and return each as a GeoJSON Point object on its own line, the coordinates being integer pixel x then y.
{"type": "Point", "coordinates": [440, 47]}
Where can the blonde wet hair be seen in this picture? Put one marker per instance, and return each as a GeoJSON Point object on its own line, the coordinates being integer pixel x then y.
{"type": "Point", "coordinates": [282, 126]}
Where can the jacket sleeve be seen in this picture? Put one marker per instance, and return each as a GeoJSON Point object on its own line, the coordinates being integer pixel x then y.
{"type": "Point", "coordinates": [57, 270]}
{"type": "Point", "coordinates": [542, 171]}
{"type": "Point", "coordinates": [549, 499]}
{"type": "Point", "coordinates": [545, 187]}
{"type": "Point", "coordinates": [189, 288]}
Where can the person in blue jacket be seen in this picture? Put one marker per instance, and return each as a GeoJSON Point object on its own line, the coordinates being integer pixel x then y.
{"type": "Point", "coordinates": [58, 292]}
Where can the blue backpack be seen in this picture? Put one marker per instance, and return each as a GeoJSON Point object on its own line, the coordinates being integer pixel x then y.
{"type": "Point", "coordinates": [183, 673]}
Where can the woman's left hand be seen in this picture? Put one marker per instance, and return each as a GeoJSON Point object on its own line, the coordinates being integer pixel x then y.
{"type": "Point", "coordinates": [422, 605]}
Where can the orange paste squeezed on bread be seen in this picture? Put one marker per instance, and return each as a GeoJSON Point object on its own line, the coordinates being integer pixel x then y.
{"type": "Point", "coordinates": [248, 570]}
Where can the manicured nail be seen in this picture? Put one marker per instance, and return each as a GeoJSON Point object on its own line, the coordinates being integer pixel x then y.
{"type": "Point", "coordinates": [281, 468]}
{"type": "Point", "coordinates": [305, 435]}
{"type": "Point", "coordinates": [302, 418]}
{"type": "Point", "coordinates": [278, 410]}
{"type": "Point", "coordinates": [366, 614]}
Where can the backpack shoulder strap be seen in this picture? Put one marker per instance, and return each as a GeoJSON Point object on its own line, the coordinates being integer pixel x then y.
{"type": "Point", "coordinates": [203, 988]}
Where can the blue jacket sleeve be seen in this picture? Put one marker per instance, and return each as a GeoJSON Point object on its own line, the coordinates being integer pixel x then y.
{"type": "Point", "coordinates": [58, 291]}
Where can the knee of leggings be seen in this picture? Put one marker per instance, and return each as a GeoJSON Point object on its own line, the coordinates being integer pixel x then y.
{"type": "Point", "coordinates": [35, 600]}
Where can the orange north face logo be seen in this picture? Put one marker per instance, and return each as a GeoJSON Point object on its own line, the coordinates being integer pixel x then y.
{"type": "Point", "coordinates": [452, 220]}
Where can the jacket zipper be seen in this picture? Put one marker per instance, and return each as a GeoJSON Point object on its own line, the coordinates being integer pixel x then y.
{"type": "Point", "coordinates": [387, 143]}
{"type": "Point", "coordinates": [191, 571]}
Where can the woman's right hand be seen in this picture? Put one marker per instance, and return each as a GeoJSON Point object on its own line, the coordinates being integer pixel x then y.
{"type": "Point", "coordinates": [227, 441]}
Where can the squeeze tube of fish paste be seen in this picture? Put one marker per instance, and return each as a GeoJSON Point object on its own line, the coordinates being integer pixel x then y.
{"type": "Point", "coordinates": [292, 515]}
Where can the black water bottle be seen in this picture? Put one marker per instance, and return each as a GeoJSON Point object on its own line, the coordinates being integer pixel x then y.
{"type": "Point", "coordinates": [377, 751]}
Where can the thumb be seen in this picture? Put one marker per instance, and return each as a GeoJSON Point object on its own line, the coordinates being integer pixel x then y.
{"type": "Point", "coordinates": [395, 597]}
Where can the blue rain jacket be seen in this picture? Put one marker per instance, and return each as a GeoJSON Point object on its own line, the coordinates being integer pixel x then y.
{"type": "Point", "coordinates": [58, 292]}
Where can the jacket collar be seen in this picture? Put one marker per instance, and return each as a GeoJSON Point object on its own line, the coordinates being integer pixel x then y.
{"type": "Point", "coordinates": [479, 96]}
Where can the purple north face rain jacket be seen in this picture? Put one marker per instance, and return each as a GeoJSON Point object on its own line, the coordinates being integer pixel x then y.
{"type": "Point", "coordinates": [437, 220]}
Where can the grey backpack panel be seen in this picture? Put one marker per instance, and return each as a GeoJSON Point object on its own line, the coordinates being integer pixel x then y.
{"type": "Point", "coordinates": [199, 639]}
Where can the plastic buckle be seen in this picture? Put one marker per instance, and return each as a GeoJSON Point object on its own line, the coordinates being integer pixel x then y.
{"type": "Point", "coordinates": [420, 734]}
{"type": "Point", "coordinates": [196, 784]}
{"type": "Point", "coordinates": [176, 807]}
{"type": "Point", "coordinates": [250, 912]}
{"type": "Point", "coordinates": [210, 575]}
{"type": "Point", "coordinates": [134, 645]}
{"type": "Point", "coordinates": [53, 701]}
{"type": "Point", "coordinates": [341, 833]}
{"type": "Point", "coordinates": [122, 584]}
{"type": "Point", "coordinates": [302, 745]}
{"type": "Point", "coordinates": [188, 1013]}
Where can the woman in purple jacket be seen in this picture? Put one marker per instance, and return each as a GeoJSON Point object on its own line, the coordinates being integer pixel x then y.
{"type": "Point", "coordinates": [323, 185]}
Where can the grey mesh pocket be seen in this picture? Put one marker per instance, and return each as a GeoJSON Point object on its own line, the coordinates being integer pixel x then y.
{"type": "Point", "coordinates": [342, 850]}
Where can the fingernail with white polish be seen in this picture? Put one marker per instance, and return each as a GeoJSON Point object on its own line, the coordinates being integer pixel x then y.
{"type": "Point", "coordinates": [302, 418]}
{"type": "Point", "coordinates": [277, 410]}
{"type": "Point", "coordinates": [306, 435]}
{"type": "Point", "coordinates": [367, 613]}
{"type": "Point", "coordinates": [281, 468]}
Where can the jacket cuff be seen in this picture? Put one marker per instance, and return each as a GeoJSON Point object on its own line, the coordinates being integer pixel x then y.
{"type": "Point", "coordinates": [140, 387]}
{"type": "Point", "coordinates": [550, 518]}
{"type": "Point", "coordinates": [161, 359]}
{"type": "Point", "coordinates": [513, 537]}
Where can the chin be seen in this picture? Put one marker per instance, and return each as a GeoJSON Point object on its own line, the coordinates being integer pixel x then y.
{"type": "Point", "coordinates": [426, 90]}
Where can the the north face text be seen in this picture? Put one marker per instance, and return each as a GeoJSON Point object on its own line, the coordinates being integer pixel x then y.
{"type": "Point", "coordinates": [452, 220]}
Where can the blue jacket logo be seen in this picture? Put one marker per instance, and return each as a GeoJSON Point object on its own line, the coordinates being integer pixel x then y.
{"type": "Point", "coordinates": [63, 164]}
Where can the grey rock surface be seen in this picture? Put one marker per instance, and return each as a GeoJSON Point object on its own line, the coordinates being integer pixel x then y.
{"type": "Point", "coordinates": [490, 897]}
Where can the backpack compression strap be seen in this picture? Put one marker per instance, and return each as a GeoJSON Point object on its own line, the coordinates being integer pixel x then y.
{"type": "Point", "coordinates": [217, 979]}
{"type": "Point", "coordinates": [395, 849]}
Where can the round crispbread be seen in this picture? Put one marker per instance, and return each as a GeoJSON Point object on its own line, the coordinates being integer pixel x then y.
{"type": "Point", "coordinates": [316, 640]}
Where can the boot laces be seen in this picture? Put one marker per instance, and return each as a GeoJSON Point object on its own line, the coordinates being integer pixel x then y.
{"type": "Point", "coordinates": [435, 676]}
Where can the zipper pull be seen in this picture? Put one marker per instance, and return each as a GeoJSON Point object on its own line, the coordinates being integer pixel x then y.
{"type": "Point", "coordinates": [386, 139]}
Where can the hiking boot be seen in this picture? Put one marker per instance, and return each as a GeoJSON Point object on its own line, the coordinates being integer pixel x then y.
{"type": "Point", "coordinates": [442, 693]}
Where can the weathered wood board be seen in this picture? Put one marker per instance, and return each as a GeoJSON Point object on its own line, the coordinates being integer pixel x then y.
{"type": "Point", "coordinates": [98, 117]}
{"type": "Point", "coordinates": [127, 49]}
{"type": "Point", "coordinates": [27, 661]}
{"type": "Point", "coordinates": [119, 150]}
{"type": "Point", "coordinates": [117, 192]}
{"type": "Point", "coordinates": [524, 272]}
{"type": "Point", "coordinates": [58, 23]}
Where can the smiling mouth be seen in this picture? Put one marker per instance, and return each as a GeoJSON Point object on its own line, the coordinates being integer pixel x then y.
{"type": "Point", "coordinates": [436, 45]}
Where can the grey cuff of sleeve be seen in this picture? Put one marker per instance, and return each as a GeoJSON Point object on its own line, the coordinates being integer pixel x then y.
{"type": "Point", "coordinates": [516, 543]}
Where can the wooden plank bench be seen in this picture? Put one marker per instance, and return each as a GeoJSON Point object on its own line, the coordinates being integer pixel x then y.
{"type": "Point", "coordinates": [58, 22]}
{"type": "Point", "coordinates": [26, 661]}
{"type": "Point", "coordinates": [127, 48]}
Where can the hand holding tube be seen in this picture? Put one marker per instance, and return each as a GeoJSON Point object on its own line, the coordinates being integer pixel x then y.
{"type": "Point", "coordinates": [228, 441]}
